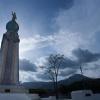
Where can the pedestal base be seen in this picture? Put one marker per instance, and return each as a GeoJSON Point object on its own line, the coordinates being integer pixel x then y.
{"type": "Point", "coordinates": [14, 96]}
{"type": "Point", "coordinates": [13, 89]}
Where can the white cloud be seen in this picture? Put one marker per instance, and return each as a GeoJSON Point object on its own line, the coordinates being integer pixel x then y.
{"type": "Point", "coordinates": [82, 17]}
{"type": "Point", "coordinates": [27, 76]}
{"type": "Point", "coordinates": [65, 42]}
{"type": "Point", "coordinates": [76, 28]}
{"type": "Point", "coordinates": [27, 44]}
{"type": "Point", "coordinates": [41, 61]}
{"type": "Point", "coordinates": [34, 43]}
{"type": "Point", "coordinates": [92, 73]}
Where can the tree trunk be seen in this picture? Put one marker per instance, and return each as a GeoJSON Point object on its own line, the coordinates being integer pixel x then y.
{"type": "Point", "coordinates": [57, 96]}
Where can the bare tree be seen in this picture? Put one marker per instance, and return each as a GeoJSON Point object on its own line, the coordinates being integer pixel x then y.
{"type": "Point", "coordinates": [52, 69]}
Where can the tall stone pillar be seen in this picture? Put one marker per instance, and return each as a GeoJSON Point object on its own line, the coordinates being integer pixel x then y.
{"type": "Point", "coordinates": [9, 68]}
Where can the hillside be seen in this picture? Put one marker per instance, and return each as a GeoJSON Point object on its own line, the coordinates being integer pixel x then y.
{"type": "Point", "coordinates": [49, 85]}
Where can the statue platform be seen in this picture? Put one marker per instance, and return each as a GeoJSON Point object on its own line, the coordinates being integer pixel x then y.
{"type": "Point", "coordinates": [13, 89]}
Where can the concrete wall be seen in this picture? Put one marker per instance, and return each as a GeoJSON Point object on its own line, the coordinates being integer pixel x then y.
{"type": "Point", "coordinates": [84, 95]}
{"type": "Point", "coordinates": [13, 89]}
{"type": "Point", "coordinates": [14, 96]}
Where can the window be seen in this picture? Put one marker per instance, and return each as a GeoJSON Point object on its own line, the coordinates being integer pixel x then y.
{"type": "Point", "coordinates": [7, 90]}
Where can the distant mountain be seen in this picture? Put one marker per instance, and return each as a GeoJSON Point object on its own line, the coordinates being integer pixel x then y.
{"type": "Point", "coordinates": [49, 85]}
{"type": "Point", "coordinates": [35, 85]}
{"type": "Point", "coordinates": [74, 78]}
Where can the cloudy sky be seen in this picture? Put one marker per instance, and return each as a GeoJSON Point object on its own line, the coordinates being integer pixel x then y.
{"type": "Point", "coordinates": [69, 27]}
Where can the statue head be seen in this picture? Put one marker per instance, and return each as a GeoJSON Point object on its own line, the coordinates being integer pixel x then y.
{"type": "Point", "coordinates": [14, 16]}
